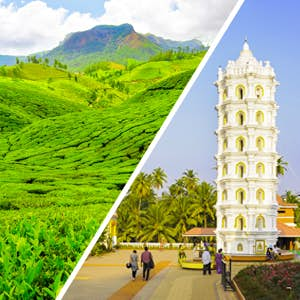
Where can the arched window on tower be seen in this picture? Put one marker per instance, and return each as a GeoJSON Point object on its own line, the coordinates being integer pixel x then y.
{"type": "Point", "coordinates": [225, 119]}
{"type": "Point", "coordinates": [260, 143]}
{"type": "Point", "coordinates": [260, 195]}
{"type": "Point", "coordinates": [224, 195]}
{"type": "Point", "coordinates": [240, 92]}
{"type": "Point", "coordinates": [260, 222]}
{"type": "Point", "coordinates": [259, 91]}
{"type": "Point", "coordinates": [225, 94]}
{"type": "Point", "coordinates": [240, 118]}
{"type": "Point", "coordinates": [240, 222]}
{"type": "Point", "coordinates": [240, 144]}
{"type": "Point", "coordinates": [260, 169]}
{"type": "Point", "coordinates": [224, 222]}
{"type": "Point", "coordinates": [240, 196]}
{"type": "Point", "coordinates": [240, 170]}
{"type": "Point", "coordinates": [259, 117]}
{"type": "Point", "coordinates": [225, 144]}
{"type": "Point", "coordinates": [239, 247]}
{"type": "Point", "coordinates": [225, 170]}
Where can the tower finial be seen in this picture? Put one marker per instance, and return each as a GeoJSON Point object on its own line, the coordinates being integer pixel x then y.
{"type": "Point", "coordinates": [246, 46]}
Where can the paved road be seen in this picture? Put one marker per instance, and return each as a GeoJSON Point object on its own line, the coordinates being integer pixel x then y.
{"type": "Point", "coordinates": [106, 277]}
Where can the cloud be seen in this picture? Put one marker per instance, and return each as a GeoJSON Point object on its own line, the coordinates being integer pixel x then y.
{"type": "Point", "coordinates": [36, 27]}
{"type": "Point", "coordinates": [174, 19]}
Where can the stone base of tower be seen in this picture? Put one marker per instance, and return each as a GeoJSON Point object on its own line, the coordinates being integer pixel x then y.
{"type": "Point", "coordinates": [246, 243]}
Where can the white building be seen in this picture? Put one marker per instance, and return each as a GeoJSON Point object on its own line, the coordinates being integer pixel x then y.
{"type": "Point", "coordinates": [247, 158]}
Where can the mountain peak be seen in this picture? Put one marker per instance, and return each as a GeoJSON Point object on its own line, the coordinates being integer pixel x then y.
{"type": "Point", "coordinates": [97, 38]}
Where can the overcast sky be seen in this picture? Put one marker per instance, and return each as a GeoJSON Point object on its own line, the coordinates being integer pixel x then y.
{"type": "Point", "coordinates": [272, 29]}
{"type": "Point", "coordinates": [31, 26]}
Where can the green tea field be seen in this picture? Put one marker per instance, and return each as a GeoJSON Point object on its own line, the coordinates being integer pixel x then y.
{"type": "Point", "coordinates": [68, 144]}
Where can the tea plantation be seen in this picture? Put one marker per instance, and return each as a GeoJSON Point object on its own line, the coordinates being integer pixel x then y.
{"type": "Point", "coordinates": [64, 158]}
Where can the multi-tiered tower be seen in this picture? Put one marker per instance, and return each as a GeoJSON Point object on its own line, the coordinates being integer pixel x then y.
{"type": "Point", "coordinates": [247, 158]}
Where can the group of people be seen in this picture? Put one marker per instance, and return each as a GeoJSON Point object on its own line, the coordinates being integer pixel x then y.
{"type": "Point", "coordinates": [146, 262]}
{"type": "Point", "coordinates": [206, 261]}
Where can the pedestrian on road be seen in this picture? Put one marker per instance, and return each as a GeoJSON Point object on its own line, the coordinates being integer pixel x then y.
{"type": "Point", "coordinates": [219, 258]}
{"type": "Point", "coordinates": [206, 261]}
{"type": "Point", "coordinates": [146, 260]}
{"type": "Point", "coordinates": [133, 259]}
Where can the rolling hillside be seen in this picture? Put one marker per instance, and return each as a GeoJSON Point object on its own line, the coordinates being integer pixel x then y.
{"type": "Point", "coordinates": [69, 144]}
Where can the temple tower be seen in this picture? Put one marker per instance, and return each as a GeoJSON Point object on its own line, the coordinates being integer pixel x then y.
{"type": "Point", "coordinates": [247, 158]}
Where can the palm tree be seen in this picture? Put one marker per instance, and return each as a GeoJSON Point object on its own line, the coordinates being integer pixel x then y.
{"type": "Point", "coordinates": [190, 180]}
{"type": "Point", "coordinates": [208, 198]}
{"type": "Point", "coordinates": [197, 211]}
{"type": "Point", "coordinates": [181, 216]}
{"type": "Point", "coordinates": [141, 188]}
{"type": "Point", "coordinates": [159, 177]}
{"type": "Point", "coordinates": [281, 167]}
{"type": "Point", "coordinates": [291, 198]}
{"type": "Point", "coordinates": [156, 225]}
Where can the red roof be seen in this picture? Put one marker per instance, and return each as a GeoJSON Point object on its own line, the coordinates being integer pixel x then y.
{"type": "Point", "coordinates": [198, 231]}
{"type": "Point", "coordinates": [287, 231]}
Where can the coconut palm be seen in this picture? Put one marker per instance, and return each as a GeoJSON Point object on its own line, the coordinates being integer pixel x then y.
{"type": "Point", "coordinates": [159, 177]}
{"type": "Point", "coordinates": [290, 197]}
{"type": "Point", "coordinates": [141, 188]}
{"type": "Point", "coordinates": [181, 216]}
{"type": "Point", "coordinates": [281, 167]}
{"type": "Point", "coordinates": [156, 225]}
{"type": "Point", "coordinates": [190, 180]}
{"type": "Point", "coordinates": [208, 198]}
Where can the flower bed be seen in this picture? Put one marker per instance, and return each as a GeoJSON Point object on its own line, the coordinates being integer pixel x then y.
{"type": "Point", "coordinates": [271, 281]}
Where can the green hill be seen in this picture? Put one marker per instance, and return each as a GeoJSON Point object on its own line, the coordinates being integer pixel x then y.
{"type": "Point", "coordinates": [69, 144]}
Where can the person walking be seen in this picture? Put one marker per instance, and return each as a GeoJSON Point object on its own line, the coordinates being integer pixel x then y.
{"type": "Point", "coordinates": [146, 259]}
{"type": "Point", "coordinates": [206, 261]}
{"type": "Point", "coordinates": [219, 258]}
{"type": "Point", "coordinates": [133, 259]}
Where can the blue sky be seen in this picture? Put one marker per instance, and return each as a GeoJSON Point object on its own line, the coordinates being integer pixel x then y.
{"type": "Point", "coordinates": [94, 7]}
{"type": "Point", "coordinates": [272, 29]}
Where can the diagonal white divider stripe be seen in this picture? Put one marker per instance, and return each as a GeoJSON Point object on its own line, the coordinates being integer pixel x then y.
{"type": "Point", "coordinates": [151, 147]}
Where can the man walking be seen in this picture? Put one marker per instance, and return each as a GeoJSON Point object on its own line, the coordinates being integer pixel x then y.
{"type": "Point", "coordinates": [146, 258]}
{"type": "Point", "coordinates": [206, 261]}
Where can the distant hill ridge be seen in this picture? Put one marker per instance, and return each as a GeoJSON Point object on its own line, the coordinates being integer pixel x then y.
{"type": "Point", "coordinates": [116, 43]}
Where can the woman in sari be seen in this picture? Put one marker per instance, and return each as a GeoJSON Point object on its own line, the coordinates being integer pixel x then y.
{"type": "Point", "coordinates": [219, 257]}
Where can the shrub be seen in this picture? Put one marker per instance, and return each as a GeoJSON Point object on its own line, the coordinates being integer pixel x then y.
{"type": "Point", "coordinates": [275, 281]}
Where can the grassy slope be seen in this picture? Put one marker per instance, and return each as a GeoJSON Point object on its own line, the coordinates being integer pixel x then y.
{"type": "Point", "coordinates": [64, 161]}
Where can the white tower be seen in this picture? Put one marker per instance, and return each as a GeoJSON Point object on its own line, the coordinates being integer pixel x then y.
{"type": "Point", "coordinates": [247, 158]}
